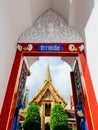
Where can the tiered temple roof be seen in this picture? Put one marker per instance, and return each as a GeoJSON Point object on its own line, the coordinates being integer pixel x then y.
{"type": "Point", "coordinates": [48, 92]}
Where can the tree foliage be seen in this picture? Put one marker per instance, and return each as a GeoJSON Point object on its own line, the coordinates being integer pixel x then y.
{"type": "Point", "coordinates": [58, 118]}
{"type": "Point", "coordinates": [33, 120]}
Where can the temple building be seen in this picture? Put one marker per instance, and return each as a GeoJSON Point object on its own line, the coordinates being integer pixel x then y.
{"type": "Point", "coordinates": [46, 97]}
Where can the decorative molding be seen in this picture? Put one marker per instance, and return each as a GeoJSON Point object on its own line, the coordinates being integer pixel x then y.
{"type": "Point", "coordinates": [50, 47]}
{"type": "Point", "coordinates": [50, 27]}
{"type": "Point", "coordinates": [29, 47]}
{"type": "Point", "coordinates": [71, 47]}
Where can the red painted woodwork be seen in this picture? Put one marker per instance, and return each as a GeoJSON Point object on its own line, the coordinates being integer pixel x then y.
{"type": "Point", "coordinates": [91, 107]}
{"type": "Point", "coordinates": [11, 95]}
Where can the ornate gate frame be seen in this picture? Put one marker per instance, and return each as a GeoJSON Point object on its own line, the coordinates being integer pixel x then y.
{"type": "Point", "coordinates": [49, 49]}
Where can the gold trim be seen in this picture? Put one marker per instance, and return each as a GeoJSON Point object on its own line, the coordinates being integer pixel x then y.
{"type": "Point", "coordinates": [12, 101]}
{"type": "Point", "coordinates": [35, 52]}
{"type": "Point", "coordinates": [86, 94]}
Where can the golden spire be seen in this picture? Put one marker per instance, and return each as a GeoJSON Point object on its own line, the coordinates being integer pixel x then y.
{"type": "Point", "coordinates": [47, 76]}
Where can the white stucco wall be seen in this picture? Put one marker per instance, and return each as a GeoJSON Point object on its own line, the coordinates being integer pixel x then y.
{"type": "Point", "coordinates": [14, 18]}
{"type": "Point", "coordinates": [84, 18]}
{"type": "Point", "coordinates": [38, 7]}
{"type": "Point", "coordinates": [91, 32]}
{"type": "Point", "coordinates": [62, 7]}
{"type": "Point", "coordinates": [80, 11]}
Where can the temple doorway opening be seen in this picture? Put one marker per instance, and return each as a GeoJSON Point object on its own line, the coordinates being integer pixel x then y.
{"type": "Point", "coordinates": [49, 83]}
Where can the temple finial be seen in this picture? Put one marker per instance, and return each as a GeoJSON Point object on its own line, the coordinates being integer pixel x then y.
{"type": "Point", "coordinates": [48, 76]}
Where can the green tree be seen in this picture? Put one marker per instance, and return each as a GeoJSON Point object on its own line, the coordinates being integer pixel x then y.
{"type": "Point", "coordinates": [33, 120]}
{"type": "Point", "coordinates": [58, 119]}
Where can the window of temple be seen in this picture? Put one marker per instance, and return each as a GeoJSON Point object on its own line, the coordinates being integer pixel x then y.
{"type": "Point", "coordinates": [47, 109]}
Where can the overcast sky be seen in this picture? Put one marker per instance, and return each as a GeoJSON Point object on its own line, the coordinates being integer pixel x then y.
{"type": "Point", "coordinates": [60, 75]}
